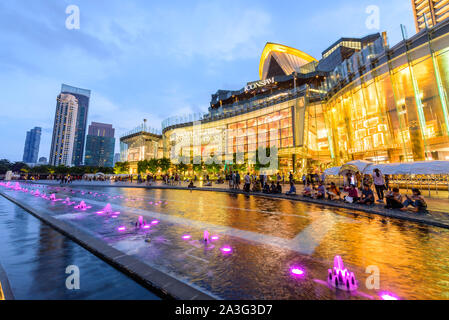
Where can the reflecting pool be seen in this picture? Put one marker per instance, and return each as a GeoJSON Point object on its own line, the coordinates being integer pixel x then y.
{"type": "Point", "coordinates": [257, 248]}
{"type": "Point", "coordinates": [35, 257]}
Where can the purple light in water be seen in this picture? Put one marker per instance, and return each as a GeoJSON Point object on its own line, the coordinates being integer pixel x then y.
{"type": "Point", "coordinates": [215, 238]}
{"type": "Point", "coordinates": [226, 250]}
{"type": "Point", "coordinates": [295, 271]}
{"type": "Point", "coordinates": [186, 237]}
{"type": "Point", "coordinates": [388, 296]}
{"type": "Point", "coordinates": [146, 226]}
{"type": "Point", "coordinates": [122, 228]}
{"type": "Point", "coordinates": [155, 222]}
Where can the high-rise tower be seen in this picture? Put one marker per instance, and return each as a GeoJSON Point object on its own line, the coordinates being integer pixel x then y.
{"type": "Point", "coordinates": [64, 130]}
{"type": "Point", "coordinates": [83, 98]}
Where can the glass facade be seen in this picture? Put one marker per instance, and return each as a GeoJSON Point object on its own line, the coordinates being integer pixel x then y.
{"type": "Point", "coordinates": [397, 111]}
{"type": "Point", "coordinates": [380, 104]}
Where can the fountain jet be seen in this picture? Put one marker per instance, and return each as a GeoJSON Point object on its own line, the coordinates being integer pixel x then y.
{"type": "Point", "coordinates": [340, 278]}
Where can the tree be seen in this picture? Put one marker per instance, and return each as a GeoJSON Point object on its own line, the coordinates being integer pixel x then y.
{"type": "Point", "coordinates": [267, 154]}
{"type": "Point", "coordinates": [142, 166]}
{"type": "Point", "coordinates": [153, 165]}
{"type": "Point", "coordinates": [5, 166]}
{"type": "Point", "coordinates": [121, 167]}
{"type": "Point", "coordinates": [164, 164]}
{"type": "Point", "coordinates": [213, 167]}
{"type": "Point", "coordinates": [197, 165]}
{"type": "Point", "coordinates": [18, 166]}
{"type": "Point", "coordinates": [61, 169]}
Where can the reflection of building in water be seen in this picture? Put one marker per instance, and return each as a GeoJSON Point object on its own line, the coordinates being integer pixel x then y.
{"type": "Point", "coordinates": [142, 143]}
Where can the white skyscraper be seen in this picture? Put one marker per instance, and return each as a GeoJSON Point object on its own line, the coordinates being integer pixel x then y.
{"type": "Point", "coordinates": [62, 145]}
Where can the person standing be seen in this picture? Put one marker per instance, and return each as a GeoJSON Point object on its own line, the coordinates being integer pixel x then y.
{"type": "Point", "coordinates": [247, 182]}
{"type": "Point", "coordinates": [379, 184]}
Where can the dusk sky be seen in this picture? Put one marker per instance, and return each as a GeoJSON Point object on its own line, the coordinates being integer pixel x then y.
{"type": "Point", "coordinates": [155, 59]}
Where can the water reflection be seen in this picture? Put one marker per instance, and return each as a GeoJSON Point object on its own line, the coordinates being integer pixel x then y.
{"type": "Point", "coordinates": [35, 258]}
{"type": "Point", "coordinates": [267, 237]}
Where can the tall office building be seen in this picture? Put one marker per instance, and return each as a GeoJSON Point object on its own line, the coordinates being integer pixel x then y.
{"type": "Point", "coordinates": [83, 97]}
{"type": "Point", "coordinates": [100, 145]}
{"type": "Point", "coordinates": [434, 10]}
{"type": "Point", "coordinates": [32, 142]}
{"type": "Point", "coordinates": [64, 130]}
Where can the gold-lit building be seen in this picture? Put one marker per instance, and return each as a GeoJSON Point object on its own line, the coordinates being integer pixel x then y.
{"type": "Point", "coordinates": [361, 101]}
{"type": "Point", "coordinates": [141, 143]}
{"type": "Point", "coordinates": [435, 11]}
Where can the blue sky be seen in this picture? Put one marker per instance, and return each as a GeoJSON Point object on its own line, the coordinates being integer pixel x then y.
{"type": "Point", "coordinates": [155, 59]}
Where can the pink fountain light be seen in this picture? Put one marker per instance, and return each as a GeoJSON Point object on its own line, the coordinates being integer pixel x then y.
{"type": "Point", "coordinates": [215, 238]}
{"type": "Point", "coordinates": [388, 296]}
{"type": "Point", "coordinates": [226, 250]}
{"type": "Point", "coordinates": [154, 222]}
{"type": "Point", "coordinates": [297, 271]}
{"type": "Point", "coordinates": [206, 236]}
{"type": "Point", "coordinates": [340, 278]}
{"type": "Point", "coordinates": [121, 229]}
{"type": "Point", "coordinates": [186, 237]}
{"type": "Point", "coordinates": [147, 226]}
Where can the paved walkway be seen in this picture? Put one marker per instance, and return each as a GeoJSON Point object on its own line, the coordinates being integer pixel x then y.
{"type": "Point", "coordinates": [438, 208]}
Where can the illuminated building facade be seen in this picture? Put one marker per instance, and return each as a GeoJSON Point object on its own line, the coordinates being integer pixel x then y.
{"type": "Point", "coordinates": [362, 100]}
{"type": "Point", "coordinates": [141, 143]}
{"type": "Point", "coordinates": [435, 11]}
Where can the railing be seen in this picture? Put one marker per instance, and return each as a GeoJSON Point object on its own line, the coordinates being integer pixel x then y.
{"type": "Point", "coordinates": [240, 107]}
{"type": "Point", "coordinates": [142, 128]}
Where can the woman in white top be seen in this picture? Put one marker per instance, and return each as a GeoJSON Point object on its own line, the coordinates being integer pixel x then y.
{"type": "Point", "coordinates": [379, 183]}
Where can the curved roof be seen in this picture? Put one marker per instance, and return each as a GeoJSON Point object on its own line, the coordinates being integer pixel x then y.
{"type": "Point", "coordinates": [287, 59]}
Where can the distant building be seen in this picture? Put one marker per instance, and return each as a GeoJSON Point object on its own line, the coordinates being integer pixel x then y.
{"type": "Point", "coordinates": [64, 130]}
{"type": "Point", "coordinates": [117, 158]}
{"type": "Point", "coordinates": [100, 145]}
{"type": "Point", "coordinates": [141, 143]}
{"type": "Point", "coordinates": [43, 160]}
{"type": "Point", "coordinates": [435, 11]}
{"type": "Point", "coordinates": [83, 97]}
{"type": "Point", "coordinates": [32, 142]}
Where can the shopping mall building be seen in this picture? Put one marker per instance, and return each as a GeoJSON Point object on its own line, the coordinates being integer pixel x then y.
{"type": "Point", "coordinates": [362, 100]}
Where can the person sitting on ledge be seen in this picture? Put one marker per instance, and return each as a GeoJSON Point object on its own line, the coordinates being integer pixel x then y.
{"type": "Point", "coordinates": [266, 188]}
{"type": "Point", "coordinates": [257, 187]}
{"type": "Point", "coordinates": [416, 201]}
{"type": "Point", "coordinates": [333, 192]}
{"type": "Point", "coordinates": [273, 188]}
{"type": "Point", "coordinates": [191, 185]}
{"type": "Point", "coordinates": [321, 191]}
{"type": "Point", "coordinates": [394, 199]}
{"type": "Point", "coordinates": [367, 196]}
{"type": "Point", "coordinates": [278, 187]}
{"type": "Point", "coordinates": [307, 192]}
{"type": "Point", "coordinates": [292, 190]}
{"type": "Point", "coordinates": [353, 194]}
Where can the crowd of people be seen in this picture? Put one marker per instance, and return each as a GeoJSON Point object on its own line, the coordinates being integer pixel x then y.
{"type": "Point", "coordinates": [358, 189]}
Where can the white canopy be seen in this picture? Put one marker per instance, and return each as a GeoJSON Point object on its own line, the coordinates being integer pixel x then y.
{"type": "Point", "coordinates": [354, 166]}
{"type": "Point", "coordinates": [422, 167]}
{"type": "Point", "coordinates": [332, 171]}
{"type": "Point", "coordinates": [407, 168]}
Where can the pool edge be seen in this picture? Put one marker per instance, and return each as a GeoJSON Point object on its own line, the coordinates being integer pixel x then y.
{"type": "Point", "coordinates": [147, 276]}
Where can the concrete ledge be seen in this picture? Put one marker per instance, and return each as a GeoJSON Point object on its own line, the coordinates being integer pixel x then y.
{"type": "Point", "coordinates": [427, 219]}
{"type": "Point", "coordinates": [5, 287]}
{"type": "Point", "coordinates": [156, 281]}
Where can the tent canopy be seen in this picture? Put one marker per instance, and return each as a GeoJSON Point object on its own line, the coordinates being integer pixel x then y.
{"type": "Point", "coordinates": [365, 167]}
{"type": "Point", "coordinates": [354, 166]}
